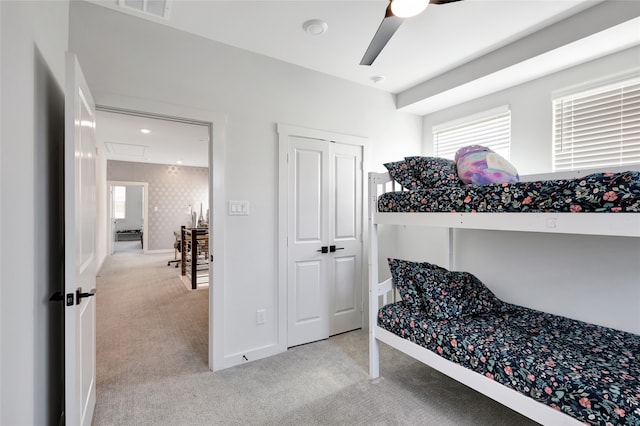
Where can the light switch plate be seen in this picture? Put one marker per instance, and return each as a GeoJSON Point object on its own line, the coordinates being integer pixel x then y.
{"type": "Point", "coordinates": [238, 208]}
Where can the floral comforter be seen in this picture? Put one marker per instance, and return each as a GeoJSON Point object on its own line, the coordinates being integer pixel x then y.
{"type": "Point", "coordinates": [599, 192]}
{"type": "Point", "coordinates": [589, 372]}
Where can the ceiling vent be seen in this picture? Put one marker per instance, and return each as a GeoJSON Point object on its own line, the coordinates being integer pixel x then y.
{"type": "Point", "coordinates": [155, 8]}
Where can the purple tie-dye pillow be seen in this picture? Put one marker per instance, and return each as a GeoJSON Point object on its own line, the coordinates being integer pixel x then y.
{"type": "Point", "coordinates": [481, 166]}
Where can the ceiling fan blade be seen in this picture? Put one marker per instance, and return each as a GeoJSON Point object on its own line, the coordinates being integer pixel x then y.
{"type": "Point", "coordinates": [442, 1]}
{"type": "Point", "coordinates": [387, 28]}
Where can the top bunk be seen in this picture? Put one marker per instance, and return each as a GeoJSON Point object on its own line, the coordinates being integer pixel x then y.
{"type": "Point", "coordinates": [426, 191]}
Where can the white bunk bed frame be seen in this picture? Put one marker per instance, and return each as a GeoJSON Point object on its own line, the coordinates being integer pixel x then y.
{"type": "Point", "coordinates": [609, 224]}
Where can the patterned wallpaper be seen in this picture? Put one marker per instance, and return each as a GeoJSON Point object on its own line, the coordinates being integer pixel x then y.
{"type": "Point", "coordinates": [172, 190]}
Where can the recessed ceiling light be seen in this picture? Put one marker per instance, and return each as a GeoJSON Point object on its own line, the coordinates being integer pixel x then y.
{"type": "Point", "coordinates": [179, 162]}
{"type": "Point", "coordinates": [378, 79]}
{"type": "Point", "coordinates": [315, 26]}
{"type": "Point", "coordinates": [145, 131]}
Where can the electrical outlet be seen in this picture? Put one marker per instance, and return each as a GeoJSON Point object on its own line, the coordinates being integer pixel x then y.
{"type": "Point", "coordinates": [260, 316]}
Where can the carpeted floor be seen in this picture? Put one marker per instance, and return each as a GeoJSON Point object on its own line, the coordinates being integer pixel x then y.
{"type": "Point", "coordinates": [152, 369]}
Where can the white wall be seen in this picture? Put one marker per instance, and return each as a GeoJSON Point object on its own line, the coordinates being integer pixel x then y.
{"type": "Point", "coordinates": [34, 41]}
{"type": "Point", "coordinates": [147, 61]}
{"type": "Point", "coordinates": [589, 278]}
{"type": "Point", "coordinates": [103, 227]}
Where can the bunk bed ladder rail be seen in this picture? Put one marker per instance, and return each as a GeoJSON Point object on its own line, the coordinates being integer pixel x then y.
{"type": "Point", "coordinates": [375, 179]}
{"type": "Point", "coordinates": [377, 182]}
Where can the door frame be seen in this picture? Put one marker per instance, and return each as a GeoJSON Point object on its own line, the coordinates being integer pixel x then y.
{"type": "Point", "coordinates": [216, 123]}
{"type": "Point", "coordinates": [286, 131]}
{"type": "Point", "coordinates": [145, 212]}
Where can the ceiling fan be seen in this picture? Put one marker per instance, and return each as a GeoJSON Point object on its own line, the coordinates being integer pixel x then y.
{"type": "Point", "coordinates": [395, 15]}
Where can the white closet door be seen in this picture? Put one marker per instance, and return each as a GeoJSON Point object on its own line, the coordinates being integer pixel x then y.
{"type": "Point", "coordinates": [324, 239]}
{"type": "Point", "coordinates": [345, 296]}
{"type": "Point", "coordinates": [308, 232]}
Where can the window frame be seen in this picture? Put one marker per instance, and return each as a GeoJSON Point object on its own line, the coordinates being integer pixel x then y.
{"type": "Point", "coordinates": [498, 118]}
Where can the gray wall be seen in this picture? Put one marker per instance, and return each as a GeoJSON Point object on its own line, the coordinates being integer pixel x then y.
{"type": "Point", "coordinates": [34, 37]}
{"type": "Point", "coordinates": [172, 189]}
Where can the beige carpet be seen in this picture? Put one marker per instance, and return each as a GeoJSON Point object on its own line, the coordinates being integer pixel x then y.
{"type": "Point", "coordinates": [152, 369]}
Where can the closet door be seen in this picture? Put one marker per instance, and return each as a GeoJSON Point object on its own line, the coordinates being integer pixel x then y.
{"type": "Point", "coordinates": [308, 299]}
{"type": "Point", "coordinates": [345, 295]}
{"type": "Point", "coordinates": [324, 239]}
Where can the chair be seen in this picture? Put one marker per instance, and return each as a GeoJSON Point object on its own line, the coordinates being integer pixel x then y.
{"type": "Point", "coordinates": [177, 246]}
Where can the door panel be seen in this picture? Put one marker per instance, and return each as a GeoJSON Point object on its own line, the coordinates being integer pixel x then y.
{"type": "Point", "coordinates": [80, 277]}
{"type": "Point", "coordinates": [308, 195]}
{"type": "Point", "coordinates": [344, 284]}
{"type": "Point", "coordinates": [345, 197]}
{"type": "Point", "coordinates": [309, 280]}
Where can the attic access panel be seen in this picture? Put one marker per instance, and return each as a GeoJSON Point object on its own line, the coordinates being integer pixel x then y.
{"type": "Point", "coordinates": [156, 8]}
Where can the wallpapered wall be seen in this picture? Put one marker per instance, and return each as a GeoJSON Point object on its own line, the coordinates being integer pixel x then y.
{"type": "Point", "coordinates": [172, 189]}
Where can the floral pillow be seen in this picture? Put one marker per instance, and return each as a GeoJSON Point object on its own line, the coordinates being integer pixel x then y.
{"type": "Point", "coordinates": [450, 294]}
{"type": "Point", "coordinates": [404, 274]}
{"type": "Point", "coordinates": [434, 172]}
{"type": "Point", "coordinates": [401, 172]}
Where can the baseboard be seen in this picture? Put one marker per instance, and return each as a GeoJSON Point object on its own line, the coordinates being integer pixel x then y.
{"type": "Point", "coordinates": [252, 355]}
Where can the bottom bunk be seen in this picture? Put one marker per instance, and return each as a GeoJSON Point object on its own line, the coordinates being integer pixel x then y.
{"type": "Point", "coordinates": [552, 369]}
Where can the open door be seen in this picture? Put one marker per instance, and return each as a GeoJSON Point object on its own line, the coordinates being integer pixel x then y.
{"type": "Point", "coordinates": [80, 263]}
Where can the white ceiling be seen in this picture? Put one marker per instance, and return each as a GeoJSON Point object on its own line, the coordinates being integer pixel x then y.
{"type": "Point", "coordinates": [441, 38]}
{"type": "Point", "coordinates": [120, 138]}
{"type": "Point", "coordinates": [426, 49]}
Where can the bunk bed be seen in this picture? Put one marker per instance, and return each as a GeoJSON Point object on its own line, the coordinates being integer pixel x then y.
{"type": "Point", "coordinates": [540, 389]}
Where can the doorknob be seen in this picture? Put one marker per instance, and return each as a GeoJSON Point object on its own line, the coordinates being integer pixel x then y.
{"type": "Point", "coordinates": [324, 249]}
{"type": "Point", "coordinates": [80, 294]}
{"type": "Point", "coordinates": [334, 248]}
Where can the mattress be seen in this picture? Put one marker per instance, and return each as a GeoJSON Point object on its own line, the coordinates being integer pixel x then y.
{"type": "Point", "coordinates": [590, 372]}
{"type": "Point", "coordinates": [596, 193]}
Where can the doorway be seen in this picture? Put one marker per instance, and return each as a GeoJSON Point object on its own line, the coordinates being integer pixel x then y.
{"type": "Point", "coordinates": [164, 163]}
{"type": "Point", "coordinates": [127, 216]}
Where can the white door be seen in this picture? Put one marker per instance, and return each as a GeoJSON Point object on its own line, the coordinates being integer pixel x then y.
{"type": "Point", "coordinates": [80, 275]}
{"type": "Point", "coordinates": [324, 239]}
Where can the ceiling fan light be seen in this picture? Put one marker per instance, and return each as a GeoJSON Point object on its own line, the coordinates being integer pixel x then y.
{"type": "Point", "coordinates": [408, 8]}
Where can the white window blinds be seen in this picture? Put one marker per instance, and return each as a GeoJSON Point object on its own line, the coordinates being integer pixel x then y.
{"type": "Point", "coordinates": [600, 127]}
{"type": "Point", "coordinates": [491, 129]}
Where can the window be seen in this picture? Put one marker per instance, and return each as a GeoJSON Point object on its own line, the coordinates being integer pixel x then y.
{"type": "Point", "coordinates": [598, 127]}
{"type": "Point", "coordinates": [119, 202]}
{"type": "Point", "coordinates": [491, 129]}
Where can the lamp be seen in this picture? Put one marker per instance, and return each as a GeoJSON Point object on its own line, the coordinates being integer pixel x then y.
{"type": "Point", "coordinates": [408, 8]}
